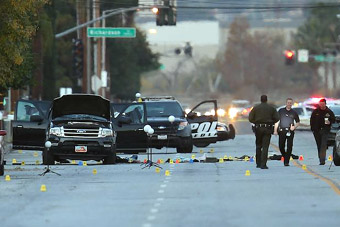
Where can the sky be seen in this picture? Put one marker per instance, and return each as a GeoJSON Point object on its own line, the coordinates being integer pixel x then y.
{"type": "Point", "coordinates": [198, 33]}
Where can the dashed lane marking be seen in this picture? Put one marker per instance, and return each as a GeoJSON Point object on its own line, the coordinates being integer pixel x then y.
{"type": "Point", "coordinates": [335, 186]}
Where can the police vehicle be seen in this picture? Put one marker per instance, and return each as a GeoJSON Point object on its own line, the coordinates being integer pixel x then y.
{"type": "Point", "coordinates": [76, 126]}
{"type": "Point", "coordinates": [199, 127]}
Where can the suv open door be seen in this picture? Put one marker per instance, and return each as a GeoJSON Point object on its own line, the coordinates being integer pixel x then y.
{"type": "Point", "coordinates": [29, 125]}
{"type": "Point", "coordinates": [129, 125]}
{"type": "Point", "coordinates": [205, 127]}
{"type": "Point", "coordinates": [203, 120]}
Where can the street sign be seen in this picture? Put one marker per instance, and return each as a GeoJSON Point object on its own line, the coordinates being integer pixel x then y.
{"type": "Point", "coordinates": [322, 58]}
{"type": "Point", "coordinates": [65, 91]}
{"type": "Point", "coordinates": [303, 55]}
{"type": "Point", "coordinates": [111, 32]}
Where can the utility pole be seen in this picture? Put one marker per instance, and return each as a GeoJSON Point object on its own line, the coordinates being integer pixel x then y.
{"type": "Point", "coordinates": [87, 77]}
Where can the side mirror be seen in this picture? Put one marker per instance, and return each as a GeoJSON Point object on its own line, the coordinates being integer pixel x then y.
{"type": "Point", "coordinates": [36, 118]}
{"type": "Point", "coordinates": [3, 133]}
{"type": "Point", "coordinates": [191, 115]}
{"type": "Point", "coordinates": [124, 120]}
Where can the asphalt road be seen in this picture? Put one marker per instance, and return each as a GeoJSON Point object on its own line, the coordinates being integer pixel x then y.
{"type": "Point", "coordinates": [195, 194]}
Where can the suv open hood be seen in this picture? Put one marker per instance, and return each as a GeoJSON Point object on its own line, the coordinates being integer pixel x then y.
{"type": "Point", "coordinates": [81, 104]}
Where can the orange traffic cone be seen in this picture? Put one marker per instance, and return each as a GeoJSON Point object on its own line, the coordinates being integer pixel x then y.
{"type": "Point", "coordinates": [301, 158]}
{"type": "Point", "coordinates": [282, 159]}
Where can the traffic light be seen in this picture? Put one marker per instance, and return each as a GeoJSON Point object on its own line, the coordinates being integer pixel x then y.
{"type": "Point", "coordinates": [289, 57]}
{"type": "Point", "coordinates": [168, 15]}
{"type": "Point", "coordinates": [78, 58]}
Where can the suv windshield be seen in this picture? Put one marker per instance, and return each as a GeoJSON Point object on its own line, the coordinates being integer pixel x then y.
{"type": "Point", "coordinates": [80, 117]}
{"type": "Point", "coordinates": [163, 109]}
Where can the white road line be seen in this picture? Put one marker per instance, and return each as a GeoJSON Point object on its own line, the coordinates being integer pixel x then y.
{"type": "Point", "coordinates": [151, 218]}
{"type": "Point", "coordinates": [160, 199]}
{"type": "Point", "coordinates": [163, 185]}
{"type": "Point", "coordinates": [166, 181]}
{"type": "Point", "coordinates": [147, 225]}
{"type": "Point", "coordinates": [157, 204]}
{"type": "Point", "coordinates": [154, 210]}
{"type": "Point", "coordinates": [160, 191]}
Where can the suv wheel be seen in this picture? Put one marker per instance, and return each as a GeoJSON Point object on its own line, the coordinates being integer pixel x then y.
{"type": "Point", "coordinates": [185, 146]}
{"type": "Point", "coordinates": [48, 158]}
{"type": "Point", "coordinates": [111, 159]}
{"type": "Point", "coordinates": [336, 157]}
{"type": "Point", "coordinates": [2, 169]}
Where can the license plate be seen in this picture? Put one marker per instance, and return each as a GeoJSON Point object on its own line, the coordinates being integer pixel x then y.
{"type": "Point", "coordinates": [162, 137]}
{"type": "Point", "coordinates": [81, 149]}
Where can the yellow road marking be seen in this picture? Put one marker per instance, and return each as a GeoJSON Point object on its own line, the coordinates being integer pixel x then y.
{"type": "Point", "coordinates": [331, 183]}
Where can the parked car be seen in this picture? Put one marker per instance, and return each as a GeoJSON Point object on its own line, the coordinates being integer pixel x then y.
{"type": "Point", "coordinates": [336, 150]}
{"type": "Point", "coordinates": [77, 126]}
{"type": "Point", "coordinates": [335, 127]}
{"type": "Point", "coordinates": [237, 107]}
{"type": "Point", "coordinates": [185, 131]}
{"type": "Point", "coordinates": [2, 152]}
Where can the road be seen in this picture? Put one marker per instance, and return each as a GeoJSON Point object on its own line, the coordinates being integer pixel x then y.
{"type": "Point", "coordinates": [194, 194]}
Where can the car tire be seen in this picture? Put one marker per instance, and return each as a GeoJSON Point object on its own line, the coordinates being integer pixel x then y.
{"type": "Point", "coordinates": [336, 157]}
{"type": "Point", "coordinates": [2, 169]}
{"type": "Point", "coordinates": [48, 158]}
{"type": "Point", "coordinates": [111, 159]}
{"type": "Point", "coordinates": [201, 144]}
{"type": "Point", "coordinates": [185, 146]}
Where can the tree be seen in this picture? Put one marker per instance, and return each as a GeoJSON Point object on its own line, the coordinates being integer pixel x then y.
{"type": "Point", "coordinates": [18, 24]}
{"type": "Point", "coordinates": [321, 27]}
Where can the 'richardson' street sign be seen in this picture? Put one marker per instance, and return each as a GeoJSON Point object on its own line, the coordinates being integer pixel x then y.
{"type": "Point", "coordinates": [111, 32]}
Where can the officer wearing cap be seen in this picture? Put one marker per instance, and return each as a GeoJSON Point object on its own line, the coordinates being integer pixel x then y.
{"type": "Point", "coordinates": [321, 120]}
{"type": "Point", "coordinates": [263, 116]}
{"type": "Point", "coordinates": [285, 128]}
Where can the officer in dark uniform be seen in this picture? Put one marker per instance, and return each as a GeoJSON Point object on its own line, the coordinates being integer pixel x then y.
{"type": "Point", "coordinates": [321, 120]}
{"type": "Point", "coordinates": [285, 128]}
{"type": "Point", "coordinates": [264, 117]}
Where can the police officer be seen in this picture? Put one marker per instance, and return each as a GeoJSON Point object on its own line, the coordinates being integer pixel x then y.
{"type": "Point", "coordinates": [285, 128]}
{"type": "Point", "coordinates": [321, 120]}
{"type": "Point", "coordinates": [264, 117]}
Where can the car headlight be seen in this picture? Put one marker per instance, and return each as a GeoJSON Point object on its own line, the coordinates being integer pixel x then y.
{"type": "Point", "coordinates": [182, 125]}
{"type": "Point", "coordinates": [57, 131]}
{"type": "Point", "coordinates": [104, 132]}
{"type": "Point", "coordinates": [221, 128]}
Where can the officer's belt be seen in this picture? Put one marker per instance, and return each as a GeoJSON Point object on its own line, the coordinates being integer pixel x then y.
{"type": "Point", "coordinates": [263, 125]}
{"type": "Point", "coordinates": [284, 129]}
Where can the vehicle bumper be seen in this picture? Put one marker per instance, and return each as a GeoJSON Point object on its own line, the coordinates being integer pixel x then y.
{"type": "Point", "coordinates": [96, 148]}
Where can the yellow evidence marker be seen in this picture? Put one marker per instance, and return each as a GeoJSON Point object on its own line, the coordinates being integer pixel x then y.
{"type": "Point", "coordinates": [193, 156]}
{"type": "Point", "coordinates": [221, 160]}
{"type": "Point", "coordinates": [247, 173]}
{"type": "Point", "coordinates": [171, 161]}
{"type": "Point", "coordinates": [94, 171]}
{"type": "Point", "coordinates": [304, 167]}
{"type": "Point", "coordinates": [35, 154]}
{"type": "Point", "coordinates": [7, 178]}
{"type": "Point", "coordinates": [157, 170]}
{"type": "Point", "coordinates": [37, 162]}
{"type": "Point", "coordinates": [330, 158]}
{"type": "Point", "coordinates": [167, 173]}
{"type": "Point", "coordinates": [43, 188]}
{"type": "Point", "coordinates": [22, 163]}
{"type": "Point", "coordinates": [14, 161]}
{"type": "Point", "coordinates": [84, 163]}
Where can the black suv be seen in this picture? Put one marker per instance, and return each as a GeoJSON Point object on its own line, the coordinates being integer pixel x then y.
{"type": "Point", "coordinates": [200, 127]}
{"type": "Point", "coordinates": [168, 133]}
{"type": "Point", "coordinates": [76, 126]}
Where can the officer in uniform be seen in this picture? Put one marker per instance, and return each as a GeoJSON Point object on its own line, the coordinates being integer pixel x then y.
{"type": "Point", "coordinates": [263, 116]}
{"type": "Point", "coordinates": [285, 128]}
{"type": "Point", "coordinates": [321, 120]}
